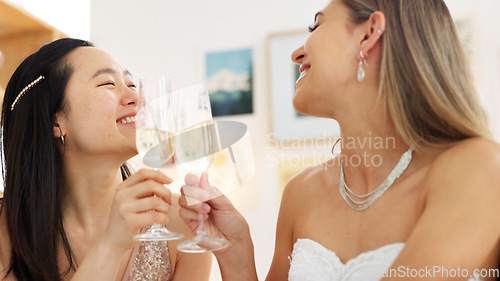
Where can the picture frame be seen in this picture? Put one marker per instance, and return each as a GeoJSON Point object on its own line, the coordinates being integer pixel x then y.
{"type": "Point", "coordinates": [286, 123]}
{"type": "Point", "coordinates": [228, 75]}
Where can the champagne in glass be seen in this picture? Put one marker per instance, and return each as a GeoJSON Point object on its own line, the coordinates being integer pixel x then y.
{"type": "Point", "coordinates": [195, 146]}
{"type": "Point", "coordinates": [155, 125]}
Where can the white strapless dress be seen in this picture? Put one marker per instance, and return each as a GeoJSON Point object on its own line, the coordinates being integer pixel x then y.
{"type": "Point", "coordinates": [311, 261]}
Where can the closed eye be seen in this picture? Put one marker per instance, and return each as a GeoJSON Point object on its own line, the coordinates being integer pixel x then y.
{"type": "Point", "coordinates": [315, 25]}
{"type": "Point", "coordinates": [106, 84]}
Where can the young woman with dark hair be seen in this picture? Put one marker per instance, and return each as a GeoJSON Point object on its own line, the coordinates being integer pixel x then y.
{"type": "Point", "coordinates": [71, 205]}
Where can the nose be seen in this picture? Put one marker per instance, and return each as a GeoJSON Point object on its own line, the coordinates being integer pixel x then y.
{"type": "Point", "coordinates": [299, 55]}
{"type": "Point", "coordinates": [130, 96]}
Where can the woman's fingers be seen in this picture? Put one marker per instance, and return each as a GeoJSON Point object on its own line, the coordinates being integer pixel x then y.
{"type": "Point", "coordinates": [187, 202]}
{"type": "Point", "coordinates": [194, 194]}
{"type": "Point", "coordinates": [191, 218]}
{"type": "Point", "coordinates": [191, 179]}
{"type": "Point", "coordinates": [149, 188]}
{"type": "Point", "coordinates": [140, 200]}
{"type": "Point", "coordinates": [149, 204]}
{"type": "Point", "coordinates": [189, 215]}
{"type": "Point", "coordinates": [148, 218]}
{"type": "Point", "coordinates": [147, 174]}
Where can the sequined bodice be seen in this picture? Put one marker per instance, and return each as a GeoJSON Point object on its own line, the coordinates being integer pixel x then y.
{"type": "Point", "coordinates": [152, 262]}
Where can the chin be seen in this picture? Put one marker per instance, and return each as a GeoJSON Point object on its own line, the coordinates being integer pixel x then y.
{"type": "Point", "coordinates": [300, 105]}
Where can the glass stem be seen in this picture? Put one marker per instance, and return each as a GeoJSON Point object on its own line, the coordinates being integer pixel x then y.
{"type": "Point", "coordinates": [201, 227]}
{"type": "Point", "coordinates": [155, 225]}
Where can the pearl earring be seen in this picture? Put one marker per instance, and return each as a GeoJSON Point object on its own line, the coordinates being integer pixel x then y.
{"type": "Point", "coordinates": [362, 60]}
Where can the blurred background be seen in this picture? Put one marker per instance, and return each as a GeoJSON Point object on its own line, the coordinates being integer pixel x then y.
{"type": "Point", "coordinates": [196, 41]}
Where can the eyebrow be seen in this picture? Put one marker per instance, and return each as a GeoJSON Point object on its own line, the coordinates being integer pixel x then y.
{"type": "Point", "coordinates": [110, 71]}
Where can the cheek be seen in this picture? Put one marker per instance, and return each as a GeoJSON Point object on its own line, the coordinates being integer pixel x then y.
{"type": "Point", "coordinates": [93, 119]}
{"type": "Point", "coordinates": [331, 57]}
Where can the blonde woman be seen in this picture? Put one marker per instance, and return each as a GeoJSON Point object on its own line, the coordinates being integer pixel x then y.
{"type": "Point", "coordinates": [427, 208]}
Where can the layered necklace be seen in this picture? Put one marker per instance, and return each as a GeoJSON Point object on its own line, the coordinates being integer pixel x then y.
{"type": "Point", "coordinates": [360, 202]}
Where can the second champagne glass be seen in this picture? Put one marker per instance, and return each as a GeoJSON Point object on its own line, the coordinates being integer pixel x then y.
{"type": "Point", "coordinates": [155, 124]}
{"type": "Point", "coordinates": [195, 147]}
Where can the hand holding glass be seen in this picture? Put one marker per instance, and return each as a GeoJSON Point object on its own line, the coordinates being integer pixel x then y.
{"type": "Point", "coordinates": [195, 147]}
{"type": "Point", "coordinates": [155, 125]}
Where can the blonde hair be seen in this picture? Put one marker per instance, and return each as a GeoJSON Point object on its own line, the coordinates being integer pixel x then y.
{"type": "Point", "coordinates": [425, 80]}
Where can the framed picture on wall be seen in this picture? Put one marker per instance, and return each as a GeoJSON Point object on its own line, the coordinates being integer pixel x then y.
{"type": "Point", "coordinates": [286, 123]}
{"type": "Point", "coordinates": [229, 80]}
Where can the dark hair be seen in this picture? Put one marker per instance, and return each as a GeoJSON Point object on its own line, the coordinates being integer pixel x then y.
{"type": "Point", "coordinates": [32, 164]}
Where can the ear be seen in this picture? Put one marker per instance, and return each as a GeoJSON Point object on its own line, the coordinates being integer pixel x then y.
{"type": "Point", "coordinates": [373, 29]}
{"type": "Point", "coordinates": [59, 125]}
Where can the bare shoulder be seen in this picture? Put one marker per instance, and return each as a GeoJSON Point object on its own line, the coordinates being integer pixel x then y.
{"type": "Point", "coordinates": [483, 151]}
{"type": "Point", "coordinates": [471, 160]}
{"type": "Point", "coordinates": [307, 185]}
{"type": "Point", "coordinates": [459, 225]}
{"type": "Point", "coordinates": [467, 172]}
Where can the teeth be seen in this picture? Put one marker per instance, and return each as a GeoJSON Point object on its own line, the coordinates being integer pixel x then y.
{"type": "Point", "coordinates": [127, 120]}
{"type": "Point", "coordinates": [302, 74]}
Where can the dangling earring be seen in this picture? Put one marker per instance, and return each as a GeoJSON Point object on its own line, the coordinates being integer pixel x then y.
{"type": "Point", "coordinates": [62, 136]}
{"type": "Point", "coordinates": [362, 59]}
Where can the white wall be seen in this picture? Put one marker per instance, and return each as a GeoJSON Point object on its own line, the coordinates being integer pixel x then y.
{"type": "Point", "coordinates": [169, 36]}
{"type": "Point", "coordinates": [485, 59]}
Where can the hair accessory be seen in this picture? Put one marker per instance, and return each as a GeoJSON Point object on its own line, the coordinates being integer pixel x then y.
{"type": "Point", "coordinates": [23, 91]}
{"type": "Point", "coordinates": [362, 201]}
{"type": "Point", "coordinates": [362, 59]}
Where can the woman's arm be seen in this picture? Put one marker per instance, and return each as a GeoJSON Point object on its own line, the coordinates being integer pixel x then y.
{"type": "Point", "coordinates": [459, 229]}
{"type": "Point", "coordinates": [288, 213]}
{"type": "Point", "coordinates": [236, 261]}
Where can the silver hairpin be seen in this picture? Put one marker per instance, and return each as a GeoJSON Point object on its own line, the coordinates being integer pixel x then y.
{"type": "Point", "coordinates": [23, 91]}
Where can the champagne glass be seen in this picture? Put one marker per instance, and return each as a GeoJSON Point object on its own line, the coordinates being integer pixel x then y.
{"type": "Point", "coordinates": [195, 147]}
{"type": "Point", "coordinates": [154, 138]}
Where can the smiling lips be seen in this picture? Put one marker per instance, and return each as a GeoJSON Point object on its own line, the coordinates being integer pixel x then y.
{"type": "Point", "coordinates": [126, 120]}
